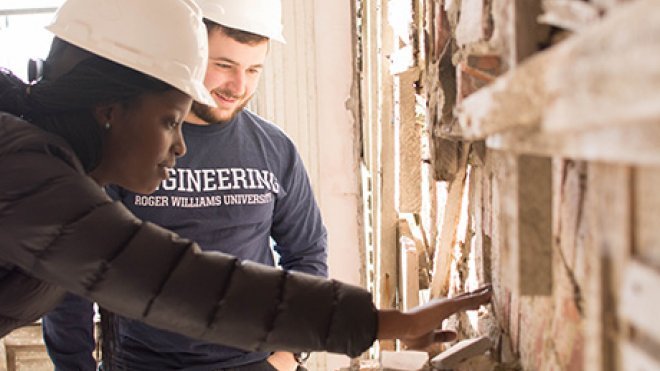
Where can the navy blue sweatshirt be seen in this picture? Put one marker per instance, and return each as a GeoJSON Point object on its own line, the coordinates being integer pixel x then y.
{"type": "Point", "coordinates": [240, 184]}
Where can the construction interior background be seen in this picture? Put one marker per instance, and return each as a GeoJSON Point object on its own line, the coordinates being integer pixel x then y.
{"type": "Point", "coordinates": [453, 143]}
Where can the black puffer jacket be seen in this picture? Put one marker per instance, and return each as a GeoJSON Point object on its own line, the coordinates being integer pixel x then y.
{"type": "Point", "coordinates": [58, 230]}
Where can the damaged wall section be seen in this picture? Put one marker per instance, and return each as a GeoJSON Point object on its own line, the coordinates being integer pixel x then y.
{"type": "Point", "coordinates": [537, 159]}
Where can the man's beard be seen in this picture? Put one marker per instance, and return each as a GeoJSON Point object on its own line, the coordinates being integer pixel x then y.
{"type": "Point", "coordinates": [210, 115]}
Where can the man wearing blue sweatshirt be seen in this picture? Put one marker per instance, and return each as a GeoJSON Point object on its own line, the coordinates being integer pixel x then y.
{"type": "Point", "coordinates": [240, 186]}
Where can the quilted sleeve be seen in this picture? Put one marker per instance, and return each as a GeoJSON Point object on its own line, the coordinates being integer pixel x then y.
{"type": "Point", "coordinates": [60, 226]}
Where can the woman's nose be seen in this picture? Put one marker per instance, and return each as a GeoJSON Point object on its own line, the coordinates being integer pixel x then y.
{"type": "Point", "coordinates": [179, 145]}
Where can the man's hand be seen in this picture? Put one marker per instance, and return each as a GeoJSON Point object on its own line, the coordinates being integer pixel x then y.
{"type": "Point", "coordinates": [283, 361]}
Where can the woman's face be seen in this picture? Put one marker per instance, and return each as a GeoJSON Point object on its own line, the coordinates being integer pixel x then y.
{"type": "Point", "coordinates": [143, 140]}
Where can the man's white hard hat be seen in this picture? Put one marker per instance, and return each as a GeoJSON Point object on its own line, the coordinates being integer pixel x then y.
{"type": "Point", "coordinates": [165, 39]}
{"type": "Point", "coordinates": [261, 17]}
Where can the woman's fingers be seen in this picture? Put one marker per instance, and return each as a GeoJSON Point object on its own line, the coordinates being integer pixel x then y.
{"type": "Point", "coordinates": [472, 300]}
{"type": "Point", "coordinates": [481, 290]}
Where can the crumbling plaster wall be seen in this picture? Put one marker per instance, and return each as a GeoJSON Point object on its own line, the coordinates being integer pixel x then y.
{"type": "Point", "coordinates": [558, 215]}
{"type": "Point", "coordinates": [534, 125]}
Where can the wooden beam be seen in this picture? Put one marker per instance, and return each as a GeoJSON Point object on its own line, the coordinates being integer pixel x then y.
{"type": "Point", "coordinates": [647, 215]}
{"type": "Point", "coordinates": [408, 227]}
{"type": "Point", "coordinates": [634, 144]}
{"type": "Point", "coordinates": [606, 75]}
{"type": "Point", "coordinates": [640, 302]}
{"type": "Point", "coordinates": [609, 217]}
{"type": "Point", "coordinates": [480, 245]}
{"type": "Point", "coordinates": [443, 254]}
{"type": "Point", "coordinates": [387, 213]}
{"type": "Point", "coordinates": [368, 114]}
{"type": "Point", "coordinates": [635, 359]}
{"type": "Point", "coordinates": [528, 30]}
{"type": "Point", "coordinates": [408, 267]}
{"type": "Point", "coordinates": [595, 84]}
{"type": "Point", "coordinates": [27, 11]}
{"type": "Point", "coordinates": [409, 144]}
{"type": "Point", "coordinates": [535, 226]}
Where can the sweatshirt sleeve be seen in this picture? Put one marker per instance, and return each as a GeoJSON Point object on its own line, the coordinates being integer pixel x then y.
{"type": "Point", "coordinates": [61, 227]}
{"type": "Point", "coordinates": [298, 230]}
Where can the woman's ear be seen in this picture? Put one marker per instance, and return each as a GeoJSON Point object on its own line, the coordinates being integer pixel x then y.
{"type": "Point", "coordinates": [105, 113]}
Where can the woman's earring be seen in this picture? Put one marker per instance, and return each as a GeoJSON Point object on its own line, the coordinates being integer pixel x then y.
{"type": "Point", "coordinates": [107, 125]}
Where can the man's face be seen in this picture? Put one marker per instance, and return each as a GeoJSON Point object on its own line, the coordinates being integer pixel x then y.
{"type": "Point", "coordinates": [232, 76]}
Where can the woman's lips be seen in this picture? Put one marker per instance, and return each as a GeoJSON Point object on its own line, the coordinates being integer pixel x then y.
{"type": "Point", "coordinates": [165, 170]}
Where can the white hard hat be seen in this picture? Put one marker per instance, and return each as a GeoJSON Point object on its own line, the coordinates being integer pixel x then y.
{"type": "Point", "coordinates": [165, 39]}
{"type": "Point", "coordinates": [261, 17]}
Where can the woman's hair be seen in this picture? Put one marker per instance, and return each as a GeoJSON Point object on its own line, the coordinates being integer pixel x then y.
{"type": "Point", "coordinates": [64, 105]}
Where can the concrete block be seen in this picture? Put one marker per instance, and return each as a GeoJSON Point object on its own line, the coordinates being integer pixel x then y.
{"type": "Point", "coordinates": [404, 360]}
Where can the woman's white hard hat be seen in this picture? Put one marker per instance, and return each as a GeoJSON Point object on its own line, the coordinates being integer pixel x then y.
{"type": "Point", "coordinates": [165, 39]}
{"type": "Point", "coordinates": [260, 17]}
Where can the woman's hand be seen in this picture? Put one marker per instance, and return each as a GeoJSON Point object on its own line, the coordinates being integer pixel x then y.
{"type": "Point", "coordinates": [418, 327]}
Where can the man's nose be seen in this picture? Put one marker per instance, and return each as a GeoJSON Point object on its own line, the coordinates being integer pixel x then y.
{"type": "Point", "coordinates": [237, 84]}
